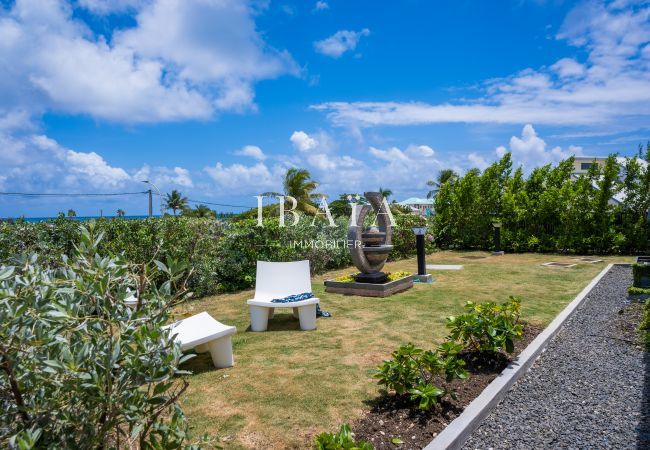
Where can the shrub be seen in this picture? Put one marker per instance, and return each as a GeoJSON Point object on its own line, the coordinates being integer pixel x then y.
{"type": "Point", "coordinates": [79, 368]}
{"type": "Point", "coordinates": [222, 255]}
{"type": "Point", "coordinates": [343, 440]}
{"type": "Point", "coordinates": [412, 370]}
{"type": "Point", "coordinates": [487, 326]}
{"type": "Point", "coordinates": [641, 274]}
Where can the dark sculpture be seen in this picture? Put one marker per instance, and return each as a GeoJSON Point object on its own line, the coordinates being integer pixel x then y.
{"type": "Point", "coordinates": [371, 255]}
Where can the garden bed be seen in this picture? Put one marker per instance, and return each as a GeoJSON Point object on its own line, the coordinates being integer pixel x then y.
{"type": "Point", "coordinates": [588, 389]}
{"type": "Point", "coordinates": [393, 418]}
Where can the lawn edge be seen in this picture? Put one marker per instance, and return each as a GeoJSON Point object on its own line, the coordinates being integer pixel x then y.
{"type": "Point", "coordinates": [457, 432]}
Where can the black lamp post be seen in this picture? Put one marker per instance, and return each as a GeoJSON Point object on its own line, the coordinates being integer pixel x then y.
{"type": "Point", "coordinates": [497, 239]}
{"type": "Point", "coordinates": [422, 276]}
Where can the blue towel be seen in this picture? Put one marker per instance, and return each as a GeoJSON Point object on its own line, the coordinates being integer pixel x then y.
{"type": "Point", "coordinates": [301, 297]}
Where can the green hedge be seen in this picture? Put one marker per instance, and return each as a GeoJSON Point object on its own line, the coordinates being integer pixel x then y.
{"type": "Point", "coordinates": [641, 274]}
{"type": "Point", "coordinates": [222, 254]}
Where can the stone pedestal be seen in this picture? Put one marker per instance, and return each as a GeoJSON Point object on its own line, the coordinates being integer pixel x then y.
{"type": "Point", "coordinates": [501, 253]}
{"type": "Point", "coordinates": [426, 278]}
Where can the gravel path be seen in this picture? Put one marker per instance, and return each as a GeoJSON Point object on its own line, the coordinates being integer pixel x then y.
{"type": "Point", "coordinates": [585, 391]}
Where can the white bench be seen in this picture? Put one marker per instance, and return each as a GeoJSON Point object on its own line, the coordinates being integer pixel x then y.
{"type": "Point", "coordinates": [205, 334]}
{"type": "Point", "coordinates": [277, 280]}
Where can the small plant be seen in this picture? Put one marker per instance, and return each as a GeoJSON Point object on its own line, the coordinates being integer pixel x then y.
{"type": "Point", "coordinates": [487, 326]}
{"type": "Point", "coordinates": [343, 440]}
{"type": "Point", "coordinates": [392, 276]}
{"type": "Point", "coordinates": [346, 278]}
{"type": "Point", "coordinates": [411, 370]}
{"type": "Point", "coordinates": [632, 290]}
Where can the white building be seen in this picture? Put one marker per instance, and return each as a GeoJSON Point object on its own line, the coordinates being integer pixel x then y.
{"type": "Point", "coordinates": [421, 206]}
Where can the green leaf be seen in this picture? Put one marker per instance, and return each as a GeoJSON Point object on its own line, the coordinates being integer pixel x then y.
{"type": "Point", "coordinates": [396, 441]}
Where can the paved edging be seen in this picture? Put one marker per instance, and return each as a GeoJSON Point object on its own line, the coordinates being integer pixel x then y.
{"type": "Point", "coordinates": [457, 432]}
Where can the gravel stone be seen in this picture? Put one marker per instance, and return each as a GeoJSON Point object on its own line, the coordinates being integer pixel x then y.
{"type": "Point", "coordinates": [588, 389]}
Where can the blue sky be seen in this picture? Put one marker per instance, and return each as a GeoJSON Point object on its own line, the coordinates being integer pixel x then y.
{"type": "Point", "coordinates": [217, 98]}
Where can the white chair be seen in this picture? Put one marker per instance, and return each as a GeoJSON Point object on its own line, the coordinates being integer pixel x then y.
{"type": "Point", "coordinates": [205, 334]}
{"type": "Point", "coordinates": [279, 280]}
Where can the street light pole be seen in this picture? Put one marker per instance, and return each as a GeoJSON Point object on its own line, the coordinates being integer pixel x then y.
{"type": "Point", "coordinates": [150, 198]}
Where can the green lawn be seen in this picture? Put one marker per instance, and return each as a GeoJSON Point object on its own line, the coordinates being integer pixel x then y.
{"type": "Point", "coordinates": [287, 385]}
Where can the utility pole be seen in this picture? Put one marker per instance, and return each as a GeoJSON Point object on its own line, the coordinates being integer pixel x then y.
{"type": "Point", "coordinates": [150, 203]}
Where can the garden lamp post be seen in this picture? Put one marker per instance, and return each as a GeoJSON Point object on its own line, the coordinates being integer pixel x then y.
{"type": "Point", "coordinates": [497, 239]}
{"type": "Point", "coordinates": [422, 276]}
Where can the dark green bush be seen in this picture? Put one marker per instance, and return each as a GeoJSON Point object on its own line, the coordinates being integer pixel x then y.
{"type": "Point", "coordinates": [641, 275]}
{"type": "Point", "coordinates": [222, 255]}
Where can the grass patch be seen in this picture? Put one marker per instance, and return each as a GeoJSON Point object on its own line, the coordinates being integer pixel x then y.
{"type": "Point", "coordinates": [288, 386]}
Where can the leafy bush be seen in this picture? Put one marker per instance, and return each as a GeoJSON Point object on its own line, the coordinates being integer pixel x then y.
{"type": "Point", "coordinates": [343, 440]}
{"type": "Point", "coordinates": [222, 255]}
{"type": "Point", "coordinates": [641, 275]}
{"type": "Point", "coordinates": [549, 209]}
{"type": "Point", "coordinates": [79, 368]}
{"type": "Point", "coordinates": [412, 370]}
{"type": "Point", "coordinates": [487, 326]}
{"type": "Point", "coordinates": [633, 290]}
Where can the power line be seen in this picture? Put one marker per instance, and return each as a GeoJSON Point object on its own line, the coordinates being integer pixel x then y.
{"type": "Point", "coordinates": [219, 204]}
{"type": "Point", "coordinates": [33, 194]}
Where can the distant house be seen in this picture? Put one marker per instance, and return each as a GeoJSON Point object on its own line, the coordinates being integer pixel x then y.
{"type": "Point", "coordinates": [420, 206]}
{"type": "Point", "coordinates": [582, 164]}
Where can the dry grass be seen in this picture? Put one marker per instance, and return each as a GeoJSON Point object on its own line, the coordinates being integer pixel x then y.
{"type": "Point", "coordinates": [286, 385]}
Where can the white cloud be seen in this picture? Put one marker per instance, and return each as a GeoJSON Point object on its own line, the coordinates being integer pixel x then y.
{"type": "Point", "coordinates": [421, 151]}
{"type": "Point", "coordinates": [340, 42]}
{"type": "Point", "coordinates": [610, 87]}
{"type": "Point", "coordinates": [103, 7]}
{"type": "Point", "coordinates": [182, 60]}
{"type": "Point", "coordinates": [302, 141]}
{"type": "Point", "coordinates": [530, 150]}
{"type": "Point", "coordinates": [568, 67]}
{"type": "Point", "coordinates": [326, 162]}
{"type": "Point", "coordinates": [37, 163]}
{"type": "Point", "coordinates": [478, 161]}
{"type": "Point", "coordinates": [165, 177]}
{"type": "Point", "coordinates": [321, 6]}
{"type": "Point", "coordinates": [251, 178]}
{"type": "Point", "coordinates": [252, 151]}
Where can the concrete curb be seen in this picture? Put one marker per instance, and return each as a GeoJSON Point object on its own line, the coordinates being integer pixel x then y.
{"type": "Point", "coordinates": [457, 432]}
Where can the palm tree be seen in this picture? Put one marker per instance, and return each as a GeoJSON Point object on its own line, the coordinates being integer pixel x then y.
{"type": "Point", "coordinates": [385, 193]}
{"type": "Point", "coordinates": [299, 185]}
{"type": "Point", "coordinates": [72, 213]}
{"type": "Point", "coordinates": [176, 201]}
{"type": "Point", "coordinates": [445, 176]}
{"type": "Point", "coordinates": [120, 213]}
{"type": "Point", "coordinates": [203, 212]}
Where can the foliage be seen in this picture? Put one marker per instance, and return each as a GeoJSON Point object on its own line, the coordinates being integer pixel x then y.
{"type": "Point", "coordinates": [343, 440]}
{"type": "Point", "coordinates": [641, 275]}
{"type": "Point", "coordinates": [201, 212]}
{"type": "Point", "coordinates": [487, 326]}
{"type": "Point", "coordinates": [392, 276]}
{"type": "Point", "coordinates": [222, 255]}
{"type": "Point", "coordinates": [644, 326]}
{"type": "Point", "coordinates": [413, 371]}
{"type": "Point", "coordinates": [633, 290]}
{"type": "Point", "coordinates": [549, 210]}
{"type": "Point", "coordinates": [298, 184]}
{"type": "Point", "coordinates": [79, 368]}
{"type": "Point", "coordinates": [175, 201]}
